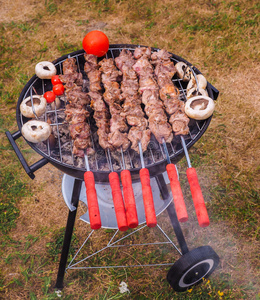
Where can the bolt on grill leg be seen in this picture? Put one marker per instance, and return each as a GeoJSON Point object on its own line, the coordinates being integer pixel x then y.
{"type": "Point", "coordinates": [68, 234]}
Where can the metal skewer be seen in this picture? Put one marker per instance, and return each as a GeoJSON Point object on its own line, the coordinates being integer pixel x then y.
{"type": "Point", "coordinates": [93, 209]}
{"type": "Point", "coordinates": [117, 197]}
{"type": "Point", "coordinates": [130, 206]}
{"type": "Point", "coordinates": [177, 195]}
{"type": "Point", "coordinates": [147, 192]}
{"type": "Point", "coordinates": [198, 200]}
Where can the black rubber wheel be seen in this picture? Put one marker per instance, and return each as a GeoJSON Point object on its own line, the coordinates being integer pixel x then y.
{"type": "Point", "coordinates": [192, 267]}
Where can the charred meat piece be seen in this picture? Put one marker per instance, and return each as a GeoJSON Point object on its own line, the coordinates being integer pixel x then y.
{"type": "Point", "coordinates": [160, 128]}
{"type": "Point", "coordinates": [125, 60]}
{"type": "Point", "coordinates": [142, 51]}
{"type": "Point", "coordinates": [137, 134]}
{"type": "Point", "coordinates": [70, 75]}
{"type": "Point", "coordinates": [110, 72]}
{"type": "Point", "coordinates": [112, 93]}
{"type": "Point", "coordinates": [119, 139]}
{"type": "Point", "coordinates": [161, 56]}
{"type": "Point", "coordinates": [90, 63]}
{"type": "Point", "coordinates": [180, 121]}
{"type": "Point", "coordinates": [76, 115]}
{"type": "Point", "coordinates": [77, 98]}
{"type": "Point", "coordinates": [69, 66]}
{"type": "Point", "coordinates": [71, 78]}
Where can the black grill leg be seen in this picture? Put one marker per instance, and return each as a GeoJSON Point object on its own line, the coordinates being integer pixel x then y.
{"type": "Point", "coordinates": [68, 234]}
{"type": "Point", "coordinates": [172, 214]}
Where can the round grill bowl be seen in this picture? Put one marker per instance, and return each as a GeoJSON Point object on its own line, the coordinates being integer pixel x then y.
{"type": "Point", "coordinates": [154, 157]}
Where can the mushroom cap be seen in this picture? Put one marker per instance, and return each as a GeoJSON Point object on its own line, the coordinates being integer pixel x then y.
{"type": "Point", "coordinates": [45, 70]}
{"type": "Point", "coordinates": [39, 104]}
{"type": "Point", "coordinates": [36, 131]}
{"type": "Point", "coordinates": [183, 71]}
{"type": "Point", "coordinates": [202, 82]}
{"type": "Point", "coordinates": [199, 107]}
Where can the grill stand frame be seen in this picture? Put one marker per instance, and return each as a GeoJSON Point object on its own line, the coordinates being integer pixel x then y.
{"type": "Point", "coordinates": [71, 222]}
{"type": "Point", "coordinates": [68, 234]}
{"type": "Point", "coordinates": [155, 171]}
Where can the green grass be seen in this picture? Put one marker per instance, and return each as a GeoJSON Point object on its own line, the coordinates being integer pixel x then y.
{"type": "Point", "coordinates": [54, 247]}
{"type": "Point", "coordinates": [232, 202]}
{"type": "Point", "coordinates": [12, 189]}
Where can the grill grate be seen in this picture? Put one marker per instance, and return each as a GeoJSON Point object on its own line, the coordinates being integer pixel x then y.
{"type": "Point", "coordinates": [62, 153]}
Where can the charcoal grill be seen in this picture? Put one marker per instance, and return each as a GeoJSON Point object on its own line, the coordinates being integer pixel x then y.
{"type": "Point", "coordinates": [202, 262]}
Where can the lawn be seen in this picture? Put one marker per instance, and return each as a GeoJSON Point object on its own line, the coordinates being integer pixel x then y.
{"type": "Point", "coordinates": [221, 39]}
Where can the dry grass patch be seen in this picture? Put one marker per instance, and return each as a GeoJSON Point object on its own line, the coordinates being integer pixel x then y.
{"type": "Point", "coordinates": [221, 40]}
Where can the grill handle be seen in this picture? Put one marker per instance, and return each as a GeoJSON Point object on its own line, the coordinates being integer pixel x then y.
{"type": "Point", "coordinates": [177, 193]}
{"type": "Point", "coordinates": [148, 198]}
{"type": "Point", "coordinates": [118, 201]}
{"type": "Point", "coordinates": [28, 169]}
{"type": "Point", "coordinates": [93, 209]}
{"type": "Point", "coordinates": [130, 206]}
{"type": "Point", "coordinates": [198, 200]}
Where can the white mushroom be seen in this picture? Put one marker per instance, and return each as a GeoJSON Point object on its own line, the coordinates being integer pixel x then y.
{"type": "Point", "coordinates": [202, 82]}
{"type": "Point", "coordinates": [199, 107]}
{"type": "Point", "coordinates": [45, 70]}
{"type": "Point", "coordinates": [36, 131]}
{"type": "Point", "coordinates": [39, 106]}
{"type": "Point", "coordinates": [194, 92]}
{"type": "Point", "coordinates": [184, 72]}
{"type": "Point", "coordinates": [56, 103]}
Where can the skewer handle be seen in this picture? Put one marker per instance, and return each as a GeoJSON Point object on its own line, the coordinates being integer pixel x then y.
{"type": "Point", "coordinates": [178, 199]}
{"type": "Point", "coordinates": [131, 213]}
{"type": "Point", "coordinates": [118, 201]}
{"type": "Point", "coordinates": [198, 200]}
{"type": "Point", "coordinates": [93, 209]}
{"type": "Point", "coordinates": [148, 198]}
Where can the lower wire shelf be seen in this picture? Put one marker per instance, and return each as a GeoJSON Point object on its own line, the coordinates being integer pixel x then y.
{"type": "Point", "coordinates": [113, 244]}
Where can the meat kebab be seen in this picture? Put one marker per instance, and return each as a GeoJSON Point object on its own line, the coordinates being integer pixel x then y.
{"type": "Point", "coordinates": [164, 71]}
{"type": "Point", "coordinates": [101, 113]}
{"type": "Point", "coordinates": [76, 110]}
{"type": "Point", "coordinates": [132, 110]}
{"type": "Point", "coordinates": [118, 127]}
{"type": "Point", "coordinates": [101, 116]}
{"type": "Point", "coordinates": [149, 90]}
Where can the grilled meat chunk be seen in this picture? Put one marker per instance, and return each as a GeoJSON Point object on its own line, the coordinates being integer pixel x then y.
{"type": "Point", "coordinates": [137, 134]}
{"type": "Point", "coordinates": [119, 139]}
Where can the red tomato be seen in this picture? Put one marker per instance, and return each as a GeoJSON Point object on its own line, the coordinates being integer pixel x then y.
{"type": "Point", "coordinates": [58, 89]}
{"type": "Point", "coordinates": [96, 42]}
{"type": "Point", "coordinates": [55, 80]}
{"type": "Point", "coordinates": [49, 96]}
